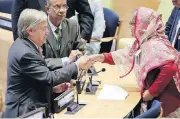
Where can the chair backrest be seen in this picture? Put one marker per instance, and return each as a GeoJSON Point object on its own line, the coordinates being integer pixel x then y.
{"type": "Point", "coordinates": [111, 21]}
{"type": "Point", "coordinates": [153, 112]}
{"type": "Point", "coordinates": [5, 23]}
{"type": "Point", "coordinates": [6, 6]}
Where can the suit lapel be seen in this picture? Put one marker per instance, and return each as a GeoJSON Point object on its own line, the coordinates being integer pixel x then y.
{"type": "Point", "coordinates": [33, 47]}
{"type": "Point", "coordinates": [52, 43]}
{"type": "Point", "coordinates": [42, 3]}
{"type": "Point", "coordinates": [30, 44]}
{"type": "Point", "coordinates": [64, 36]}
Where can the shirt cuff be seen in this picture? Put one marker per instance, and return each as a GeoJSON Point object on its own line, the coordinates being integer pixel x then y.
{"type": "Point", "coordinates": [77, 69]}
{"type": "Point", "coordinates": [65, 61]}
{"type": "Point", "coordinates": [108, 58]}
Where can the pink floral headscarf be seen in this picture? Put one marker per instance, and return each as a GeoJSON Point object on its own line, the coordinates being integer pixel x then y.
{"type": "Point", "coordinates": [153, 44]}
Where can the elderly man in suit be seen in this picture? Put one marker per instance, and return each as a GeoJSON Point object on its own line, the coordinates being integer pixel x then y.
{"type": "Point", "coordinates": [64, 37]}
{"type": "Point", "coordinates": [30, 82]}
{"type": "Point", "coordinates": [173, 25]}
{"type": "Point", "coordinates": [81, 6]}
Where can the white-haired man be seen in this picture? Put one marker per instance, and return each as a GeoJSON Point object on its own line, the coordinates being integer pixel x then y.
{"type": "Point", "coordinates": [30, 81]}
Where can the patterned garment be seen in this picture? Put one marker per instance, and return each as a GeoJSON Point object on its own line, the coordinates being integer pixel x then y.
{"type": "Point", "coordinates": [175, 114]}
{"type": "Point", "coordinates": [152, 46]}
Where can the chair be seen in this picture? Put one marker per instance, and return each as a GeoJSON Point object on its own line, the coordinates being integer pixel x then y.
{"type": "Point", "coordinates": [112, 30]}
{"type": "Point", "coordinates": [123, 42]}
{"type": "Point", "coordinates": [5, 23]}
{"type": "Point", "coordinates": [153, 112]}
{"type": "Point", "coordinates": [6, 6]}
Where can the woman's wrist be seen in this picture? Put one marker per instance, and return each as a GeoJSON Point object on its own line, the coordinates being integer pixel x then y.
{"type": "Point", "coordinates": [101, 58]}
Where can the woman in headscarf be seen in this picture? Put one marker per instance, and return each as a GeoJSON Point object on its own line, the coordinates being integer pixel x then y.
{"type": "Point", "coordinates": [155, 62]}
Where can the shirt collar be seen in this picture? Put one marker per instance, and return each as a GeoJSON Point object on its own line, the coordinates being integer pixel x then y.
{"type": "Point", "coordinates": [53, 28]}
{"type": "Point", "coordinates": [38, 48]}
{"type": "Point", "coordinates": [34, 44]}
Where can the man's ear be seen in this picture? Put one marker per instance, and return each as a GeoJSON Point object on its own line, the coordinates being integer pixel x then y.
{"type": "Point", "coordinates": [30, 31]}
{"type": "Point", "coordinates": [47, 8]}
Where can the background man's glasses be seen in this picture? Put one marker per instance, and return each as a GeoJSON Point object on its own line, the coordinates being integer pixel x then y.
{"type": "Point", "coordinates": [57, 8]}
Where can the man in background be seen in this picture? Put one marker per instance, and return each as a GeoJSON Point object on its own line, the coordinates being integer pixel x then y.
{"type": "Point", "coordinates": [64, 40]}
{"type": "Point", "coordinates": [173, 25]}
{"type": "Point", "coordinates": [81, 6]}
{"type": "Point", "coordinates": [98, 27]}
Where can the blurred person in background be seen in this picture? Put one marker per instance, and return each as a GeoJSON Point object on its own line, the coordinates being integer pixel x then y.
{"type": "Point", "coordinates": [173, 24]}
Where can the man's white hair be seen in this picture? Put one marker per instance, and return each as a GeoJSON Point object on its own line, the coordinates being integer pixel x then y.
{"type": "Point", "coordinates": [29, 18]}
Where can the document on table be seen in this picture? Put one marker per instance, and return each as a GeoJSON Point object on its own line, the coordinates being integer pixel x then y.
{"type": "Point", "coordinates": [112, 92]}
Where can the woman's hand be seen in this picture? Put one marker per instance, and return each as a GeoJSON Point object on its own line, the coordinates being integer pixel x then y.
{"type": "Point", "coordinates": [97, 57]}
{"type": "Point", "coordinates": [147, 96]}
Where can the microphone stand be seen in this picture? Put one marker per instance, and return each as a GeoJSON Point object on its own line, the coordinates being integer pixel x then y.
{"type": "Point", "coordinates": [92, 88]}
{"type": "Point", "coordinates": [74, 106]}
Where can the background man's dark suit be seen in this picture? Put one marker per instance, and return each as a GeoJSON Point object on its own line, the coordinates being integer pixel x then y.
{"type": "Point", "coordinates": [86, 18]}
{"type": "Point", "coordinates": [71, 40]}
{"type": "Point", "coordinates": [171, 27]}
{"type": "Point", "coordinates": [29, 80]}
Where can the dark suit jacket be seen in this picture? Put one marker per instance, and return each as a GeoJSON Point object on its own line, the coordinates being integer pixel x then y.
{"type": "Point", "coordinates": [86, 18]}
{"type": "Point", "coordinates": [71, 40]}
{"type": "Point", "coordinates": [29, 80]}
{"type": "Point", "coordinates": [171, 27]}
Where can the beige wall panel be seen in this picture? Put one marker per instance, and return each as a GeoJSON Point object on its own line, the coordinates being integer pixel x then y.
{"type": "Point", "coordinates": [124, 8]}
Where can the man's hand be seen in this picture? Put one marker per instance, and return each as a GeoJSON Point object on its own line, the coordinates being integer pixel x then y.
{"type": "Point", "coordinates": [85, 62]}
{"type": "Point", "coordinates": [73, 55]}
{"type": "Point", "coordinates": [61, 87]}
{"type": "Point", "coordinates": [147, 96]}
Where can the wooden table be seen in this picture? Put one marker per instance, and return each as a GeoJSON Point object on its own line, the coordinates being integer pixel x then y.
{"type": "Point", "coordinates": [96, 108]}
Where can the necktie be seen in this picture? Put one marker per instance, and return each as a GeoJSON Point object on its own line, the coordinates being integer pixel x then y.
{"type": "Point", "coordinates": [40, 51]}
{"type": "Point", "coordinates": [58, 33]}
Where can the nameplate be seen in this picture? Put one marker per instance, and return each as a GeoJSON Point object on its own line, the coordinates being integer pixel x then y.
{"type": "Point", "coordinates": [63, 100]}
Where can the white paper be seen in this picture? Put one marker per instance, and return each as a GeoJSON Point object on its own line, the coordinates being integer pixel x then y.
{"type": "Point", "coordinates": [112, 92]}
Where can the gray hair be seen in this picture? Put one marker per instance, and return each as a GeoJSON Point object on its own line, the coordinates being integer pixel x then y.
{"type": "Point", "coordinates": [49, 2]}
{"type": "Point", "coordinates": [29, 18]}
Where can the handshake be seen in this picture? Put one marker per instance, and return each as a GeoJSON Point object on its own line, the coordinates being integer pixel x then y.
{"type": "Point", "coordinates": [85, 62]}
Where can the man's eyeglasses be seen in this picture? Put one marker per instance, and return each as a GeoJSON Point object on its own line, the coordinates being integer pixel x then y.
{"type": "Point", "coordinates": [57, 8]}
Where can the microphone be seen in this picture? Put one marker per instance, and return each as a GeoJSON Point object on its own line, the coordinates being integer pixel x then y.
{"type": "Point", "coordinates": [91, 88]}
{"type": "Point", "coordinates": [102, 70]}
{"type": "Point", "coordinates": [90, 79]}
